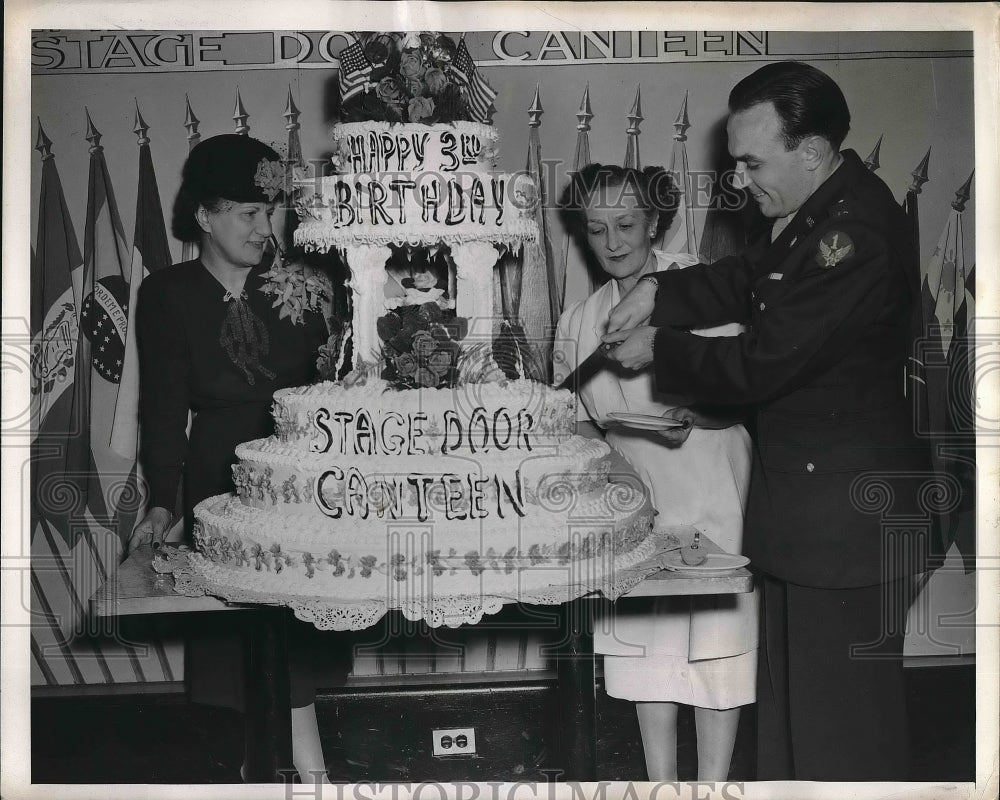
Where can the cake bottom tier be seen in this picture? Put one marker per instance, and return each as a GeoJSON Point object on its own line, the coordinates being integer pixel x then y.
{"type": "Point", "coordinates": [270, 549]}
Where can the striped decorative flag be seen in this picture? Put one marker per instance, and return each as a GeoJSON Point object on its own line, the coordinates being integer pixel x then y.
{"type": "Point", "coordinates": [946, 395]}
{"type": "Point", "coordinates": [293, 160]}
{"type": "Point", "coordinates": [581, 157]}
{"type": "Point", "coordinates": [478, 93]}
{"type": "Point", "coordinates": [54, 332]}
{"type": "Point", "coordinates": [150, 252]}
{"type": "Point", "coordinates": [354, 71]}
{"type": "Point", "coordinates": [684, 239]}
{"type": "Point", "coordinates": [101, 341]}
{"type": "Point", "coordinates": [540, 305]}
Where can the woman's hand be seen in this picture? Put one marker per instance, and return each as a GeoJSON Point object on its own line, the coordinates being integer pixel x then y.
{"type": "Point", "coordinates": [633, 349]}
{"type": "Point", "coordinates": [675, 437]}
{"type": "Point", "coordinates": [694, 418]}
{"type": "Point", "coordinates": [152, 529]}
{"type": "Point", "coordinates": [635, 308]}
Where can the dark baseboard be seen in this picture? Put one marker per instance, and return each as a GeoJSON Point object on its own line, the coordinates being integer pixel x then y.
{"type": "Point", "coordinates": [383, 733]}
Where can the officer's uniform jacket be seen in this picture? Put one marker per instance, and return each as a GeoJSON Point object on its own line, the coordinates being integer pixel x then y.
{"type": "Point", "coordinates": [828, 309]}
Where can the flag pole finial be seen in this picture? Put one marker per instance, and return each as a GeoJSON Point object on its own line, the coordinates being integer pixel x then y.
{"type": "Point", "coordinates": [963, 194]}
{"type": "Point", "coordinates": [43, 144]}
{"type": "Point", "coordinates": [582, 156]}
{"type": "Point", "coordinates": [872, 161]}
{"type": "Point", "coordinates": [240, 116]}
{"type": "Point", "coordinates": [535, 111]}
{"type": "Point", "coordinates": [585, 114]}
{"type": "Point", "coordinates": [682, 123]}
{"type": "Point", "coordinates": [635, 117]}
{"type": "Point", "coordinates": [141, 128]}
{"type": "Point", "coordinates": [920, 173]}
{"type": "Point", "coordinates": [93, 135]}
{"type": "Point", "coordinates": [191, 122]}
{"type": "Point", "coordinates": [291, 113]}
{"type": "Point", "coordinates": [635, 114]}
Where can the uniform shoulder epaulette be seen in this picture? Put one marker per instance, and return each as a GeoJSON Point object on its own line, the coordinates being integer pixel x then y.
{"type": "Point", "coordinates": [842, 208]}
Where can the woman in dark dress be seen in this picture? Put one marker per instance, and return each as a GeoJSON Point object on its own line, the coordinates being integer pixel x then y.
{"type": "Point", "coordinates": [210, 344]}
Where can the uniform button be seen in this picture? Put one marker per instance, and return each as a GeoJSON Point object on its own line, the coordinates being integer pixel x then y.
{"type": "Point", "coordinates": [810, 467]}
{"type": "Point", "coordinates": [762, 306]}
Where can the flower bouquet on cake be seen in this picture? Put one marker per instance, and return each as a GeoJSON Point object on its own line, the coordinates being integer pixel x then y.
{"type": "Point", "coordinates": [420, 346]}
{"type": "Point", "coordinates": [405, 77]}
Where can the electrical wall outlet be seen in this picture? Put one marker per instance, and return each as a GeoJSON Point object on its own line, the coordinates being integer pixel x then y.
{"type": "Point", "coordinates": [454, 741]}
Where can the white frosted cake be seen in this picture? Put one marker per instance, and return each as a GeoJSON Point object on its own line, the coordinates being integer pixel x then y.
{"type": "Point", "coordinates": [363, 482]}
{"type": "Point", "coordinates": [428, 460]}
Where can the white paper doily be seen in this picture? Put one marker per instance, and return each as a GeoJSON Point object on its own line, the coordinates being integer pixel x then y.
{"type": "Point", "coordinates": [450, 602]}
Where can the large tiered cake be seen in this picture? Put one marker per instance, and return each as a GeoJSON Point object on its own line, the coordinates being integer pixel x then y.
{"type": "Point", "coordinates": [427, 465]}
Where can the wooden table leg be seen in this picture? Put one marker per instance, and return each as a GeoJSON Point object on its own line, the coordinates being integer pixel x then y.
{"type": "Point", "coordinates": [268, 704]}
{"type": "Point", "coordinates": [577, 693]}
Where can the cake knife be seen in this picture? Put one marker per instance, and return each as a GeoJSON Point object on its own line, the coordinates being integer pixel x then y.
{"type": "Point", "coordinates": [587, 368]}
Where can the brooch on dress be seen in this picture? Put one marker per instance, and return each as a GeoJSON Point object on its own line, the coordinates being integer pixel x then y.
{"type": "Point", "coordinates": [297, 288]}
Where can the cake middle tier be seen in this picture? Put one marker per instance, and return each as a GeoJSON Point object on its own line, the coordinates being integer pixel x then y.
{"type": "Point", "coordinates": [425, 209]}
{"type": "Point", "coordinates": [457, 486]}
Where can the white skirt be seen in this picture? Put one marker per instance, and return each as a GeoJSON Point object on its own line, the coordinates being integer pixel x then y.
{"type": "Point", "coordinates": [713, 683]}
{"type": "Point", "coordinates": [659, 668]}
{"type": "Point", "coordinates": [699, 650]}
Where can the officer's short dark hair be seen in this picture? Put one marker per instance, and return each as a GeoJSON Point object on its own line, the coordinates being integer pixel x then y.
{"type": "Point", "coordinates": [222, 168]}
{"type": "Point", "coordinates": [808, 101]}
{"type": "Point", "coordinates": [653, 188]}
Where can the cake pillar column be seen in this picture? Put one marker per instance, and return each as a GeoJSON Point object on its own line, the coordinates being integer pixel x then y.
{"type": "Point", "coordinates": [474, 262]}
{"type": "Point", "coordinates": [367, 263]}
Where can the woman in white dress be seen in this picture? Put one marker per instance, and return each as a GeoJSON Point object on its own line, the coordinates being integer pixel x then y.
{"type": "Point", "coordinates": [699, 651]}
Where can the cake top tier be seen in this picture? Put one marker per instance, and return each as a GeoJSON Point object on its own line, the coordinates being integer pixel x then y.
{"type": "Point", "coordinates": [419, 185]}
{"type": "Point", "coordinates": [413, 148]}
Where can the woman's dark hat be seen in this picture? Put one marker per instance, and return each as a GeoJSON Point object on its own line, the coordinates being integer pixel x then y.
{"type": "Point", "coordinates": [234, 167]}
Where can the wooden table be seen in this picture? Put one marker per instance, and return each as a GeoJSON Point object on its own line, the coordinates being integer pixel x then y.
{"type": "Point", "coordinates": [138, 590]}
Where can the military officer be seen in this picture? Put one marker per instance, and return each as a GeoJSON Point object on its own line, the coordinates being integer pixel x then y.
{"type": "Point", "coordinates": [827, 297]}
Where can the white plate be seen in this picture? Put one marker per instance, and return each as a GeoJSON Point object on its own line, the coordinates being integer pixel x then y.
{"type": "Point", "coordinates": [645, 422]}
{"type": "Point", "coordinates": [714, 562]}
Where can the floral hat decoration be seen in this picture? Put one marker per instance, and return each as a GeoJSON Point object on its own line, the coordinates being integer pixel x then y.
{"type": "Point", "coordinates": [235, 167]}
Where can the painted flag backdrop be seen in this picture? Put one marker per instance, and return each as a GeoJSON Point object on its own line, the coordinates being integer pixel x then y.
{"type": "Point", "coordinates": [72, 554]}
